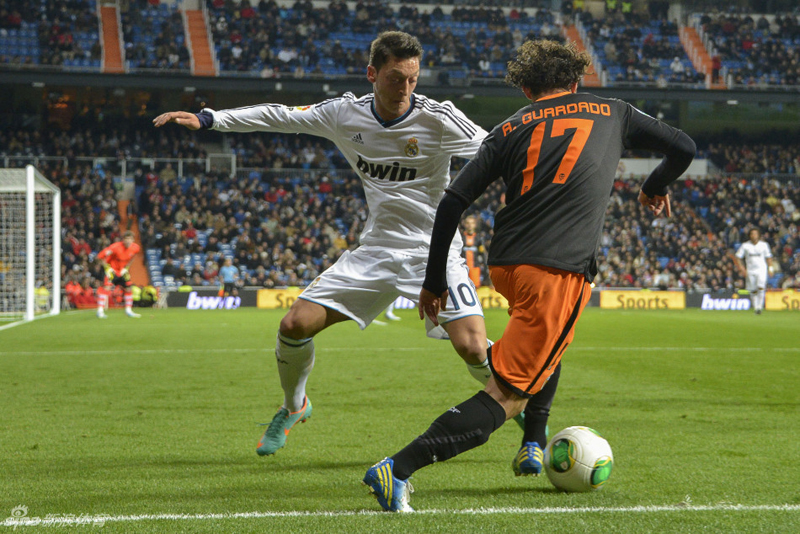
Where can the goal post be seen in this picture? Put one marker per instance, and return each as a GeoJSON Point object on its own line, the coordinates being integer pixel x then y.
{"type": "Point", "coordinates": [30, 245]}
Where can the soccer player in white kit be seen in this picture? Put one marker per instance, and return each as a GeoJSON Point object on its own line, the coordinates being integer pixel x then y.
{"type": "Point", "coordinates": [754, 259]}
{"type": "Point", "coordinates": [400, 143]}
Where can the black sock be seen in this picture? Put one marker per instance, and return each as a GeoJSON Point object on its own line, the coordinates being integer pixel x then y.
{"type": "Point", "coordinates": [457, 430]}
{"type": "Point", "coordinates": [537, 411]}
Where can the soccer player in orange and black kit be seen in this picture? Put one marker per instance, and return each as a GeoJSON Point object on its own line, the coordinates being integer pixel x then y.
{"type": "Point", "coordinates": [116, 258]}
{"type": "Point", "coordinates": [472, 250]}
{"type": "Point", "coordinates": [558, 158]}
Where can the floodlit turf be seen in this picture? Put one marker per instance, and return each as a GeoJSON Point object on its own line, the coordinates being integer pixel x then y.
{"type": "Point", "coordinates": [158, 416]}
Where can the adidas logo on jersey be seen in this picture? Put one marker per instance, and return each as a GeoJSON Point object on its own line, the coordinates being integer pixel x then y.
{"type": "Point", "coordinates": [393, 172]}
{"type": "Point", "coordinates": [357, 139]}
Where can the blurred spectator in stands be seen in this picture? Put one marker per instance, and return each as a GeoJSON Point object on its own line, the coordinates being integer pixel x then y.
{"type": "Point", "coordinates": [716, 66]}
{"type": "Point", "coordinates": [676, 66]}
{"type": "Point", "coordinates": [792, 282]}
{"type": "Point", "coordinates": [167, 174]}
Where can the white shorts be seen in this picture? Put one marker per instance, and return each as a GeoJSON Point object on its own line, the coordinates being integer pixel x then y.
{"type": "Point", "coordinates": [363, 282]}
{"type": "Point", "coordinates": [756, 280]}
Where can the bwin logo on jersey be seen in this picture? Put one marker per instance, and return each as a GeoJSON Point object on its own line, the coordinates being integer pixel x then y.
{"type": "Point", "coordinates": [393, 172]}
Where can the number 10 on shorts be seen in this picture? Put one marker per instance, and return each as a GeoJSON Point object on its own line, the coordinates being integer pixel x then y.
{"type": "Point", "coordinates": [464, 295]}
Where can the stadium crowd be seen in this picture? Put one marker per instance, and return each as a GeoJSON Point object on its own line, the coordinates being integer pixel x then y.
{"type": "Point", "coordinates": [154, 36]}
{"type": "Point", "coordinates": [117, 140]}
{"type": "Point", "coordinates": [731, 206]}
{"type": "Point", "coordinates": [637, 49]}
{"type": "Point", "coordinates": [756, 158]}
{"type": "Point", "coordinates": [261, 37]}
{"type": "Point", "coordinates": [49, 33]}
{"type": "Point", "coordinates": [754, 50]}
{"type": "Point", "coordinates": [280, 233]}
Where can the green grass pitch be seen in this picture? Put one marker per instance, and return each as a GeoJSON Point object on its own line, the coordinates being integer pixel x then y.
{"type": "Point", "coordinates": [137, 421]}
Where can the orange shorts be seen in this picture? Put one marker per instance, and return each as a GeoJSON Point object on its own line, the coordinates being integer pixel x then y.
{"type": "Point", "coordinates": [544, 305]}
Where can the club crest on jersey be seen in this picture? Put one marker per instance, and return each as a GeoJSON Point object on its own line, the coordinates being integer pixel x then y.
{"type": "Point", "coordinates": [392, 173]}
{"type": "Point", "coordinates": [412, 149]}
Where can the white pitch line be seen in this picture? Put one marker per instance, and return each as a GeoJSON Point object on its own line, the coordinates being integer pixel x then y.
{"type": "Point", "coordinates": [383, 349]}
{"type": "Point", "coordinates": [195, 351]}
{"type": "Point", "coordinates": [130, 351]}
{"type": "Point", "coordinates": [102, 519]}
{"type": "Point", "coordinates": [18, 323]}
{"type": "Point", "coordinates": [12, 325]}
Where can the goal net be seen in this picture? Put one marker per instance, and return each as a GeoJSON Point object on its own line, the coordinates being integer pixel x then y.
{"type": "Point", "coordinates": [30, 245]}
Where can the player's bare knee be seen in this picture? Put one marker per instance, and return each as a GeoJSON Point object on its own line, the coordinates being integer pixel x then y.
{"type": "Point", "coordinates": [292, 326]}
{"type": "Point", "coordinates": [471, 348]}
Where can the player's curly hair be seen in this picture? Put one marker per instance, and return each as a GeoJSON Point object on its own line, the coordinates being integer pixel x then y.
{"type": "Point", "coordinates": [397, 44]}
{"type": "Point", "coordinates": [544, 65]}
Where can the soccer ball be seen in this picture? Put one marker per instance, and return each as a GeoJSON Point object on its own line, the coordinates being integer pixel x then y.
{"type": "Point", "coordinates": [578, 459]}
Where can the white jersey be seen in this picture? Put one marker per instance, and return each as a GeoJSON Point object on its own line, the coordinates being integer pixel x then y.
{"type": "Point", "coordinates": [754, 256]}
{"type": "Point", "coordinates": [404, 164]}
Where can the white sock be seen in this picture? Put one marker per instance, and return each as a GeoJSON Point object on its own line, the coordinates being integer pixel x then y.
{"type": "Point", "coordinates": [480, 371]}
{"type": "Point", "coordinates": [760, 297]}
{"type": "Point", "coordinates": [295, 361]}
{"type": "Point", "coordinates": [102, 304]}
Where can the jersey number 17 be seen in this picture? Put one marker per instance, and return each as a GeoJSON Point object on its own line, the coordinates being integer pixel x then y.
{"type": "Point", "coordinates": [582, 127]}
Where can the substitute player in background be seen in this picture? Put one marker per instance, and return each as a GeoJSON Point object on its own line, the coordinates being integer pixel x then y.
{"type": "Point", "coordinates": [228, 275]}
{"type": "Point", "coordinates": [558, 158]}
{"type": "Point", "coordinates": [754, 259]}
{"type": "Point", "coordinates": [400, 144]}
{"type": "Point", "coordinates": [116, 259]}
{"type": "Point", "coordinates": [473, 250]}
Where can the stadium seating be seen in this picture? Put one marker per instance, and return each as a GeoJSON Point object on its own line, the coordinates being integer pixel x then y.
{"type": "Point", "coordinates": [155, 38]}
{"type": "Point", "coordinates": [755, 50]}
{"type": "Point", "coordinates": [474, 39]}
{"type": "Point", "coordinates": [273, 41]}
{"type": "Point", "coordinates": [647, 52]}
{"type": "Point", "coordinates": [57, 33]}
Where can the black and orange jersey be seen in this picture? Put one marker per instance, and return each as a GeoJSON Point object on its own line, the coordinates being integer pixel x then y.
{"type": "Point", "coordinates": [558, 158]}
{"type": "Point", "coordinates": [471, 250]}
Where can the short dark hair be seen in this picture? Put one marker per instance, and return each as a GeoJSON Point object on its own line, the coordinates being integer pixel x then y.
{"type": "Point", "coordinates": [393, 44]}
{"type": "Point", "coordinates": [544, 65]}
{"type": "Point", "coordinates": [128, 233]}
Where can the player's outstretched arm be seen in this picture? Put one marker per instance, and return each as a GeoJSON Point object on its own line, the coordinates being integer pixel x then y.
{"type": "Point", "coordinates": [182, 118]}
{"type": "Point", "coordinates": [656, 204]}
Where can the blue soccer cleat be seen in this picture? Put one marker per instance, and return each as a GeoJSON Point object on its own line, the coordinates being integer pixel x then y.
{"type": "Point", "coordinates": [392, 494]}
{"type": "Point", "coordinates": [529, 460]}
{"type": "Point", "coordinates": [277, 431]}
